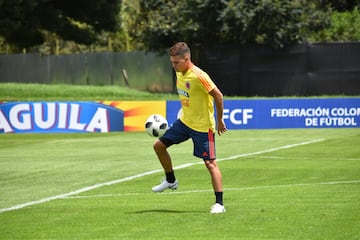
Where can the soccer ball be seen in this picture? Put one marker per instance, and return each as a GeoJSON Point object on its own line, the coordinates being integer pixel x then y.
{"type": "Point", "coordinates": [156, 125]}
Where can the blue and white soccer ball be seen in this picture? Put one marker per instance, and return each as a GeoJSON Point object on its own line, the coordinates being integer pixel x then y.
{"type": "Point", "coordinates": [156, 125]}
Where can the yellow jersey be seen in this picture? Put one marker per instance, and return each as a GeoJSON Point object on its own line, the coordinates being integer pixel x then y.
{"type": "Point", "coordinates": [197, 104]}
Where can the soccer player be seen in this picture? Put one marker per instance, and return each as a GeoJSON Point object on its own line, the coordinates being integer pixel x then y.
{"type": "Point", "coordinates": [197, 93]}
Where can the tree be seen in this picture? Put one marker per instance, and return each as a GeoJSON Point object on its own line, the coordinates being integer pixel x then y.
{"type": "Point", "coordinates": [275, 23]}
{"type": "Point", "coordinates": [160, 23]}
{"type": "Point", "coordinates": [129, 12]}
{"type": "Point", "coordinates": [345, 27]}
{"type": "Point", "coordinates": [24, 23]}
{"type": "Point", "coordinates": [344, 5]}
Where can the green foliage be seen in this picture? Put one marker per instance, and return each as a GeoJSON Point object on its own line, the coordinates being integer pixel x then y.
{"type": "Point", "coordinates": [345, 27]}
{"type": "Point", "coordinates": [61, 27]}
{"type": "Point", "coordinates": [344, 5]}
{"type": "Point", "coordinates": [104, 41]}
{"type": "Point", "coordinates": [22, 23]}
{"type": "Point", "coordinates": [274, 23]}
{"type": "Point", "coordinates": [129, 11]}
{"type": "Point", "coordinates": [161, 23]}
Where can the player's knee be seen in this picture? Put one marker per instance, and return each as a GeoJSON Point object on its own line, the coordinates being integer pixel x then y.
{"type": "Point", "coordinates": [211, 164]}
{"type": "Point", "coordinates": [159, 146]}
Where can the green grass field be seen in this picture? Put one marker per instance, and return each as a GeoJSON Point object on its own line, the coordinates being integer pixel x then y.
{"type": "Point", "coordinates": [279, 184]}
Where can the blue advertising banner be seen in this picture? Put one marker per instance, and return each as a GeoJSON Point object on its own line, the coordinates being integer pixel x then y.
{"type": "Point", "coordinates": [55, 117]}
{"type": "Point", "coordinates": [285, 113]}
{"type": "Point", "coordinates": [23, 117]}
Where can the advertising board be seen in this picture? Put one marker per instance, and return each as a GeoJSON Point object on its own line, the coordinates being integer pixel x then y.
{"type": "Point", "coordinates": [286, 113]}
{"type": "Point", "coordinates": [129, 116]}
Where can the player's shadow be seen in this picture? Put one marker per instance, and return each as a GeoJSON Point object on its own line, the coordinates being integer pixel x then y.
{"type": "Point", "coordinates": [161, 211]}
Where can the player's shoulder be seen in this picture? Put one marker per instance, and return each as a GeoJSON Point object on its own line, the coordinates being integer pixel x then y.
{"type": "Point", "coordinates": [197, 69]}
{"type": "Point", "coordinates": [203, 78]}
{"type": "Point", "coordinates": [201, 74]}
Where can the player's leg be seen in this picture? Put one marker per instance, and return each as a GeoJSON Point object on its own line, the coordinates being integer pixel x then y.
{"type": "Point", "coordinates": [204, 147]}
{"type": "Point", "coordinates": [163, 155]}
{"type": "Point", "coordinates": [174, 135]}
{"type": "Point", "coordinates": [215, 173]}
{"type": "Point", "coordinates": [216, 179]}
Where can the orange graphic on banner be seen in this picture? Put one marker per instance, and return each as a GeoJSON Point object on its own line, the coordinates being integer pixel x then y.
{"type": "Point", "coordinates": [136, 112]}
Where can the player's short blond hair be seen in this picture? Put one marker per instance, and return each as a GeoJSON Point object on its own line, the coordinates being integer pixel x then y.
{"type": "Point", "coordinates": [180, 49]}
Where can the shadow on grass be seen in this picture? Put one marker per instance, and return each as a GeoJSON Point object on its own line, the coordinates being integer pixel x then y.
{"type": "Point", "coordinates": [162, 211]}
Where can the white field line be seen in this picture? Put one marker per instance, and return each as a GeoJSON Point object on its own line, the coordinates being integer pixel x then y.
{"type": "Point", "coordinates": [306, 158]}
{"type": "Point", "coordinates": [225, 189]}
{"type": "Point", "coordinates": [85, 189]}
{"type": "Point", "coordinates": [295, 185]}
{"type": "Point", "coordinates": [271, 150]}
{"type": "Point", "coordinates": [253, 153]}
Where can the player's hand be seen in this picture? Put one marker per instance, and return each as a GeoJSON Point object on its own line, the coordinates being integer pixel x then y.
{"type": "Point", "coordinates": [221, 127]}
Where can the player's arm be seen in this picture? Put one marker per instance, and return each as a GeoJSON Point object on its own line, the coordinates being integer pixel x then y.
{"type": "Point", "coordinates": [219, 104]}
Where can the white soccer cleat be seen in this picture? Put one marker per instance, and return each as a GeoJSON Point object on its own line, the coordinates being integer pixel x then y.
{"type": "Point", "coordinates": [165, 185]}
{"type": "Point", "coordinates": [217, 208]}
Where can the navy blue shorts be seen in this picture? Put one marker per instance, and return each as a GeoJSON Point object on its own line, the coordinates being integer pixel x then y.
{"type": "Point", "coordinates": [204, 142]}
